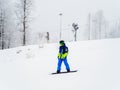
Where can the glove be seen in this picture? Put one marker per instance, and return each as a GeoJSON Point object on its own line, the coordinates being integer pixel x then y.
{"type": "Point", "coordinates": [59, 55]}
{"type": "Point", "coordinates": [64, 55]}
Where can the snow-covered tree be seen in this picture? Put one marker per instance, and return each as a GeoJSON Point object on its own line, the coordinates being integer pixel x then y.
{"type": "Point", "coordinates": [2, 35]}
{"type": "Point", "coordinates": [97, 26]}
{"type": "Point", "coordinates": [23, 12]}
{"type": "Point", "coordinates": [75, 28]}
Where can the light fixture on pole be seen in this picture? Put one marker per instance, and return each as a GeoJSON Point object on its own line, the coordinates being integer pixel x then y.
{"type": "Point", "coordinates": [60, 25]}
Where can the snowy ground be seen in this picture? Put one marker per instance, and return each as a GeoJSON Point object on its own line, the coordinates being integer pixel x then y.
{"type": "Point", "coordinates": [29, 68]}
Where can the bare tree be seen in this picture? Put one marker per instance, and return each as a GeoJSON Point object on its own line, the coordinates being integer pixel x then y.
{"type": "Point", "coordinates": [89, 26]}
{"type": "Point", "coordinates": [99, 25]}
{"type": "Point", "coordinates": [117, 29]}
{"type": "Point", "coordinates": [75, 28]}
{"type": "Point", "coordinates": [100, 20]}
{"type": "Point", "coordinates": [47, 36]}
{"type": "Point", "coordinates": [2, 35]}
{"type": "Point", "coordinates": [23, 12]}
{"type": "Point", "coordinates": [4, 24]}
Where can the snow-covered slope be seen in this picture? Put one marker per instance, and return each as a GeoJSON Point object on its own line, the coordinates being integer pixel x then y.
{"type": "Point", "coordinates": [29, 67]}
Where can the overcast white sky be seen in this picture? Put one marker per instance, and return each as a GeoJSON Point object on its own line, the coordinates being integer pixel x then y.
{"type": "Point", "coordinates": [46, 12]}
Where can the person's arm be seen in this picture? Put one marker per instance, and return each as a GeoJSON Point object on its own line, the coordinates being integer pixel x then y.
{"type": "Point", "coordinates": [60, 52]}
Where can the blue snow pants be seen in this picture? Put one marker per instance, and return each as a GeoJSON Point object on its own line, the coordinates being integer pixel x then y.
{"type": "Point", "coordinates": [65, 63]}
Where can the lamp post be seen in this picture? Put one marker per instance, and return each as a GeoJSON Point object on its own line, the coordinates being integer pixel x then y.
{"type": "Point", "coordinates": [60, 25]}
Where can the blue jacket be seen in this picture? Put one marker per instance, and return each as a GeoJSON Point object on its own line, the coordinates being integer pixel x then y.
{"type": "Point", "coordinates": [63, 49]}
{"type": "Point", "coordinates": [63, 52]}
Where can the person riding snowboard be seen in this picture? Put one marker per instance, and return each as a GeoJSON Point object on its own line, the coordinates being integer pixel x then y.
{"type": "Point", "coordinates": [62, 56]}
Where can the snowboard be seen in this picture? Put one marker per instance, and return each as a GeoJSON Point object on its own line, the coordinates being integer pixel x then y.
{"type": "Point", "coordinates": [64, 72]}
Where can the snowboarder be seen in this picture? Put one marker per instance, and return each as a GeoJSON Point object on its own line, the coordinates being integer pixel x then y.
{"type": "Point", "coordinates": [62, 56]}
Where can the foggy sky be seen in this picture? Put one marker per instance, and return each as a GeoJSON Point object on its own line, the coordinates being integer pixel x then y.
{"type": "Point", "coordinates": [46, 12]}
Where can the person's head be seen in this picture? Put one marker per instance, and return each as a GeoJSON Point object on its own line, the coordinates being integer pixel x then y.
{"type": "Point", "coordinates": [61, 42]}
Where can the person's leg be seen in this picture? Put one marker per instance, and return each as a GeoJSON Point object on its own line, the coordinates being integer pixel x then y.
{"type": "Point", "coordinates": [59, 65]}
{"type": "Point", "coordinates": [66, 64]}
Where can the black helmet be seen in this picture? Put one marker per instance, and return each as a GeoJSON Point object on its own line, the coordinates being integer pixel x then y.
{"type": "Point", "coordinates": [61, 42]}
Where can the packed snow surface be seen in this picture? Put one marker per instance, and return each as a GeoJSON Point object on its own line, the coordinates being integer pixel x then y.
{"type": "Point", "coordinates": [30, 67]}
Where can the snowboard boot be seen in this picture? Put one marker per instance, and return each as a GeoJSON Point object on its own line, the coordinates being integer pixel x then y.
{"type": "Point", "coordinates": [58, 71]}
{"type": "Point", "coordinates": [68, 70]}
